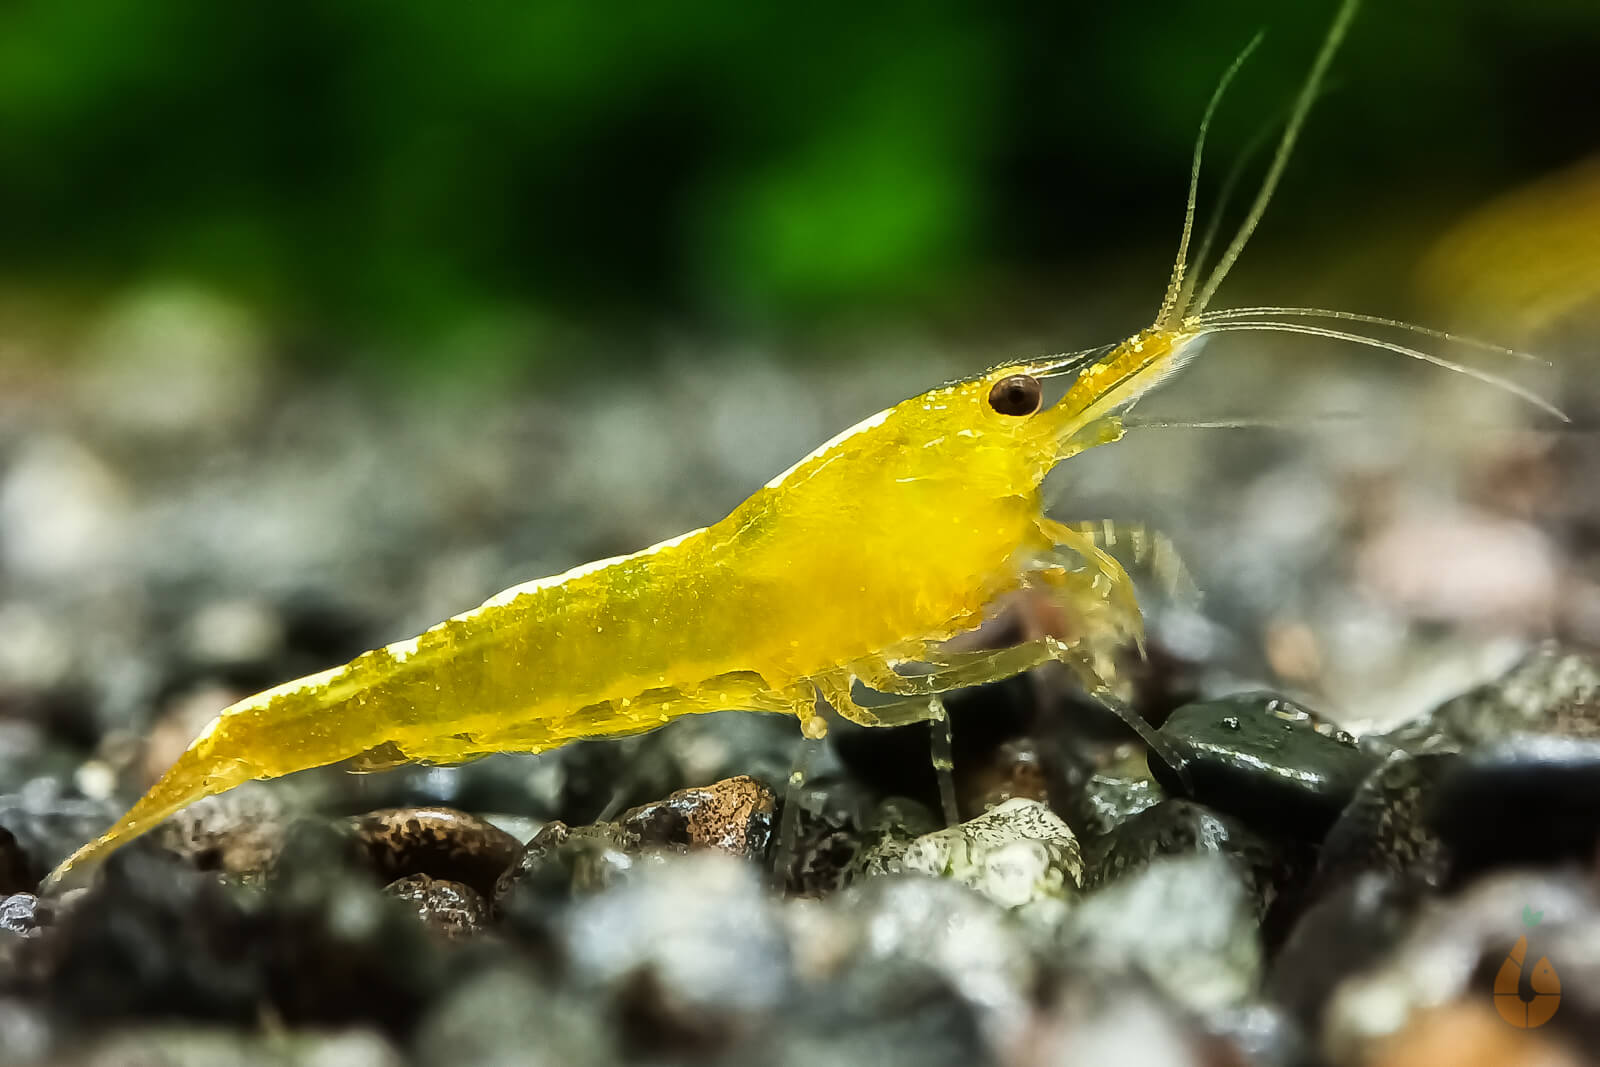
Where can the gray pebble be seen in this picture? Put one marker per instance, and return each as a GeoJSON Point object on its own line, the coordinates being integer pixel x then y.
{"type": "Point", "coordinates": [505, 1017]}
{"type": "Point", "coordinates": [1021, 855]}
{"type": "Point", "coordinates": [1186, 923]}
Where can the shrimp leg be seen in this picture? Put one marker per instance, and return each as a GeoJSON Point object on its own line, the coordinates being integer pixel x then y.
{"type": "Point", "coordinates": [789, 824]}
{"type": "Point", "coordinates": [1111, 579]}
{"type": "Point", "coordinates": [965, 669]}
{"type": "Point", "coordinates": [922, 703]}
{"type": "Point", "coordinates": [942, 744]}
{"type": "Point", "coordinates": [1093, 682]}
{"type": "Point", "coordinates": [958, 670]}
{"type": "Point", "coordinates": [1149, 549]}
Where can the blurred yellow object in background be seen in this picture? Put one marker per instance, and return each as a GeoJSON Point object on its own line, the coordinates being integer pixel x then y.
{"type": "Point", "coordinates": [1526, 265]}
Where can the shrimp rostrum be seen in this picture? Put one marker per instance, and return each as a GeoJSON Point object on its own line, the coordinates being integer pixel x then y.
{"type": "Point", "coordinates": [871, 553]}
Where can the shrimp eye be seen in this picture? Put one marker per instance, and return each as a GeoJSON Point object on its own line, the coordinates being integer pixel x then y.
{"type": "Point", "coordinates": [1017, 395]}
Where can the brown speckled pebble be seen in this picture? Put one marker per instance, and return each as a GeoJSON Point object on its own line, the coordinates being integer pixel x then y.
{"type": "Point", "coordinates": [449, 908]}
{"type": "Point", "coordinates": [440, 842]}
{"type": "Point", "coordinates": [735, 815]}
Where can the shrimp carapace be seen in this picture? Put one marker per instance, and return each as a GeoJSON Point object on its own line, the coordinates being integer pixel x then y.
{"type": "Point", "coordinates": [871, 553]}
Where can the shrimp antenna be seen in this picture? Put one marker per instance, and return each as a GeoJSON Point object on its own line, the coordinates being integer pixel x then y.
{"type": "Point", "coordinates": [1309, 330]}
{"type": "Point", "coordinates": [1230, 183]}
{"type": "Point", "coordinates": [1176, 289]}
{"type": "Point", "coordinates": [1280, 158]}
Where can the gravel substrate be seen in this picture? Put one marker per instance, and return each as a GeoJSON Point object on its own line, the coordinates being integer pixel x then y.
{"type": "Point", "coordinates": [1390, 793]}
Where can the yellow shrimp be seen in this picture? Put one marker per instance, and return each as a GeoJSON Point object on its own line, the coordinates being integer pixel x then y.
{"type": "Point", "coordinates": [873, 551]}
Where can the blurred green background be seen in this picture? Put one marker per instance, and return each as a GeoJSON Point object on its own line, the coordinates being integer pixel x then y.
{"type": "Point", "coordinates": [394, 177]}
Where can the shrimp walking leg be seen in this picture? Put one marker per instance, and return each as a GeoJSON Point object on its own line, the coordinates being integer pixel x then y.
{"type": "Point", "coordinates": [1149, 549]}
{"type": "Point", "coordinates": [1110, 579]}
{"type": "Point", "coordinates": [1090, 678]}
{"type": "Point", "coordinates": [944, 764]}
{"type": "Point", "coordinates": [957, 670]}
{"type": "Point", "coordinates": [789, 824]}
{"type": "Point", "coordinates": [968, 669]}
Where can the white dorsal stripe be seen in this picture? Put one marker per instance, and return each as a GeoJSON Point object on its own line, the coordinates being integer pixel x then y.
{"type": "Point", "coordinates": [506, 596]}
{"type": "Point", "coordinates": [868, 423]}
{"type": "Point", "coordinates": [262, 699]}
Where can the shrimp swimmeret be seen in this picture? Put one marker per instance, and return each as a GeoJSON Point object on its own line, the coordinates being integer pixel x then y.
{"type": "Point", "coordinates": [871, 553]}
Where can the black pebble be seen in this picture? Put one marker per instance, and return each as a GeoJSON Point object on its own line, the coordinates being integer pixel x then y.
{"type": "Point", "coordinates": [1524, 801]}
{"type": "Point", "coordinates": [1178, 828]}
{"type": "Point", "coordinates": [1266, 760]}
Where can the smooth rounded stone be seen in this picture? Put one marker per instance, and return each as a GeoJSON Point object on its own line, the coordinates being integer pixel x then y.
{"type": "Point", "coordinates": [1345, 932]}
{"type": "Point", "coordinates": [239, 832]}
{"type": "Point", "coordinates": [695, 949]}
{"type": "Point", "coordinates": [169, 1046]}
{"type": "Point", "coordinates": [736, 815]}
{"type": "Point", "coordinates": [1385, 828]}
{"type": "Point", "coordinates": [1182, 828]}
{"type": "Point", "coordinates": [895, 824]}
{"type": "Point", "coordinates": [49, 824]}
{"type": "Point", "coordinates": [1552, 691]}
{"type": "Point", "coordinates": [1529, 800]}
{"type": "Point", "coordinates": [451, 909]}
{"type": "Point", "coordinates": [1021, 855]}
{"type": "Point", "coordinates": [440, 842]}
{"type": "Point", "coordinates": [15, 877]}
{"type": "Point", "coordinates": [888, 926]}
{"type": "Point", "coordinates": [1265, 759]}
{"type": "Point", "coordinates": [1455, 950]}
{"type": "Point", "coordinates": [506, 1017]}
{"type": "Point", "coordinates": [1187, 923]}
